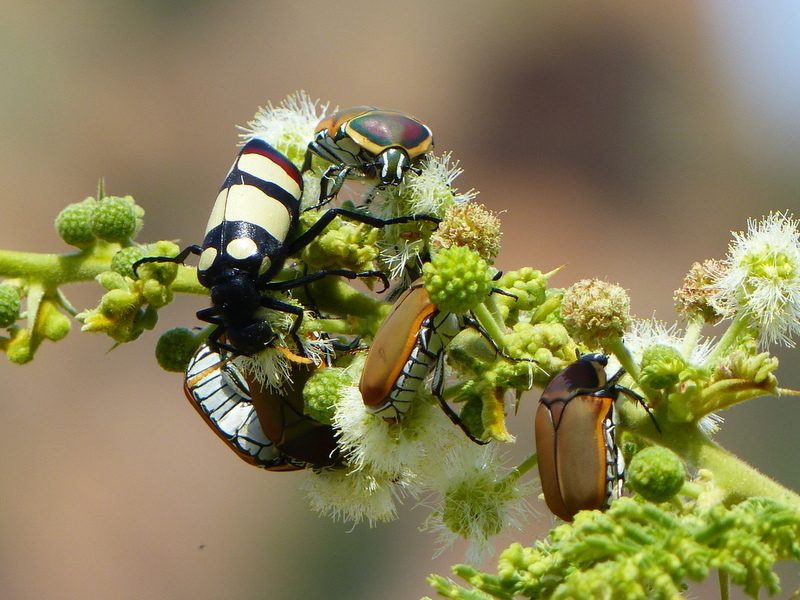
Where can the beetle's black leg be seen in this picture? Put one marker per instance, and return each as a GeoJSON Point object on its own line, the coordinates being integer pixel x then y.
{"type": "Point", "coordinates": [179, 258]}
{"type": "Point", "coordinates": [612, 385]}
{"type": "Point", "coordinates": [314, 231]}
{"type": "Point", "coordinates": [437, 387]}
{"type": "Point", "coordinates": [476, 326]}
{"type": "Point", "coordinates": [316, 276]}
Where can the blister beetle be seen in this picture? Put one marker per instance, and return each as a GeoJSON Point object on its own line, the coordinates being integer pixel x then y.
{"type": "Point", "coordinates": [249, 236]}
{"type": "Point", "coordinates": [368, 143]}
{"type": "Point", "coordinates": [580, 465]}
{"type": "Point", "coordinates": [263, 425]}
{"type": "Point", "coordinates": [216, 388]}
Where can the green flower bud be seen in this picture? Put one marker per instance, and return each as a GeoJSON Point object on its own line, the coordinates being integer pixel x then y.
{"type": "Point", "coordinates": [322, 392]}
{"type": "Point", "coordinates": [112, 280]}
{"type": "Point", "coordinates": [74, 223]}
{"type": "Point", "coordinates": [595, 311]}
{"type": "Point", "coordinates": [457, 279]}
{"type": "Point", "coordinates": [119, 303]}
{"type": "Point", "coordinates": [343, 244]}
{"type": "Point", "coordinates": [157, 295]}
{"type": "Point", "coordinates": [10, 305]}
{"type": "Point", "coordinates": [175, 349]}
{"type": "Point", "coordinates": [661, 367]}
{"type": "Point", "coordinates": [528, 285]}
{"type": "Point", "coordinates": [656, 473]}
{"type": "Point", "coordinates": [163, 272]}
{"type": "Point", "coordinates": [53, 324]}
{"type": "Point", "coordinates": [123, 260]}
{"type": "Point", "coordinates": [116, 219]}
{"type": "Point", "coordinates": [148, 318]}
{"type": "Point", "coordinates": [20, 348]}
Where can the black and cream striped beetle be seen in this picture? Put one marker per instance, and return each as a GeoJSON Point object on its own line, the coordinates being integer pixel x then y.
{"type": "Point", "coordinates": [249, 236]}
{"type": "Point", "coordinates": [368, 143]}
{"type": "Point", "coordinates": [264, 426]}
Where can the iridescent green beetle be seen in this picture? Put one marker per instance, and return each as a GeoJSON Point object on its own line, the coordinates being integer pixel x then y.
{"type": "Point", "coordinates": [368, 143]}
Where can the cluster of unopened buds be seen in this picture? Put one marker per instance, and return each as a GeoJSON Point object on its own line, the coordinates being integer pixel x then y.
{"type": "Point", "coordinates": [405, 392]}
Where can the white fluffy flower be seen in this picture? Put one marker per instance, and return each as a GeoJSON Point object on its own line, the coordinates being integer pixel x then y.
{"type": "Point", "coordinates": [352, 495]}
{"type": "Point", "coordinates": [762, 279]}
{"type": "Point", "coordinates": [432, 190]}
{"type": "Point", "coordinates": [478, 499]}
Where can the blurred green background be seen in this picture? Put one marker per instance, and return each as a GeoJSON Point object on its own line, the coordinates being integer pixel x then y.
{"type": "Point", "coordinates": [626, 140]}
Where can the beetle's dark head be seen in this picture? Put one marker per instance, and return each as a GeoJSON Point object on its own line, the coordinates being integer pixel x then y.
{"type": "Point", "coordinates": [235, 297]}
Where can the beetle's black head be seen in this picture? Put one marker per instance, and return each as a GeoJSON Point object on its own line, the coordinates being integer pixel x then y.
{"type": "Point", "coordinates": [235, 297]}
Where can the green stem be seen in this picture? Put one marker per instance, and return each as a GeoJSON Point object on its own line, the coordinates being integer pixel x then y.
{"type": "Point", "coordinates": [56, 269]}
{"type": "Point", "coordinates": [620, 350]}
{"type": "Point", "coordinates": [728, 340]}
{"type": "Point", "coordinates": [490, 325]}
{"type": "Point", "coordinates": [523, 467]}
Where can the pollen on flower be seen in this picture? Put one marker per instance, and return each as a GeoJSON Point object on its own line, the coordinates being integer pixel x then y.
{"type": "Point", "coordinates": [289, 126]}
{"type": "Point", "coordinates": [762, 279]}
{"type": "Point", "coordinates": [595, 311]}
{"type": "Point", "coordinates": [472, 225]}
{"type": "Point", "coordinates": [697, 295]}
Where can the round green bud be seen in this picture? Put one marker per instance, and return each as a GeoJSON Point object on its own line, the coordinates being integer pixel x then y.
{"type": "Point", "coordinates": [74, 223]}
{"type": "Point", "coordinates": [322, 391]}
{"type": "Point", "coordinates": [457, 279]}
{"type": "Point", "coordinates": [123, 260]}
{"type": "Point", "coordinates": [148, 318]}
{"type": "Point", "coordinates": [661, 367]}
{"type": "Point", "coordinates": [118, 304]}
{"type": "Point", "coordinates": [175, 349]}
{"type": "Point", "coordinates": [163, 272]}
{"type": "Point", "coordinates": [9, 305]}
{"type": "Point", "coordinates": [656, 473]}
{"type": "Point", "coordinates": [116, 219]}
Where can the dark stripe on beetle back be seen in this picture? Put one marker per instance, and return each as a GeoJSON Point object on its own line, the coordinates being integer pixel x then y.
{"type": "Point", "coordinates": [268, 188]}
{"type": "Point", "coordinates": [257, 146]}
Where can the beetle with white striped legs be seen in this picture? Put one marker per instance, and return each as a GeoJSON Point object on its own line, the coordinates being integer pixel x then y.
{"type": "Point", "coordinates": [409, 345]}
{"type": "Point", "coordinates": [264, 426]}
{"type": "Point", "coordinates": [250, 234]}
{"type": "Point", "coordinates": [368, 143]}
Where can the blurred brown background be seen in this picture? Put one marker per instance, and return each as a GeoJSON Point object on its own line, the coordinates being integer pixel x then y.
{"type": "Point", "coordinates": [626, 141]}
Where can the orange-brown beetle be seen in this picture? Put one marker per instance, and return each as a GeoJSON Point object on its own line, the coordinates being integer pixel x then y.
{"type": "Point", "coordinates": [580, 465]}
